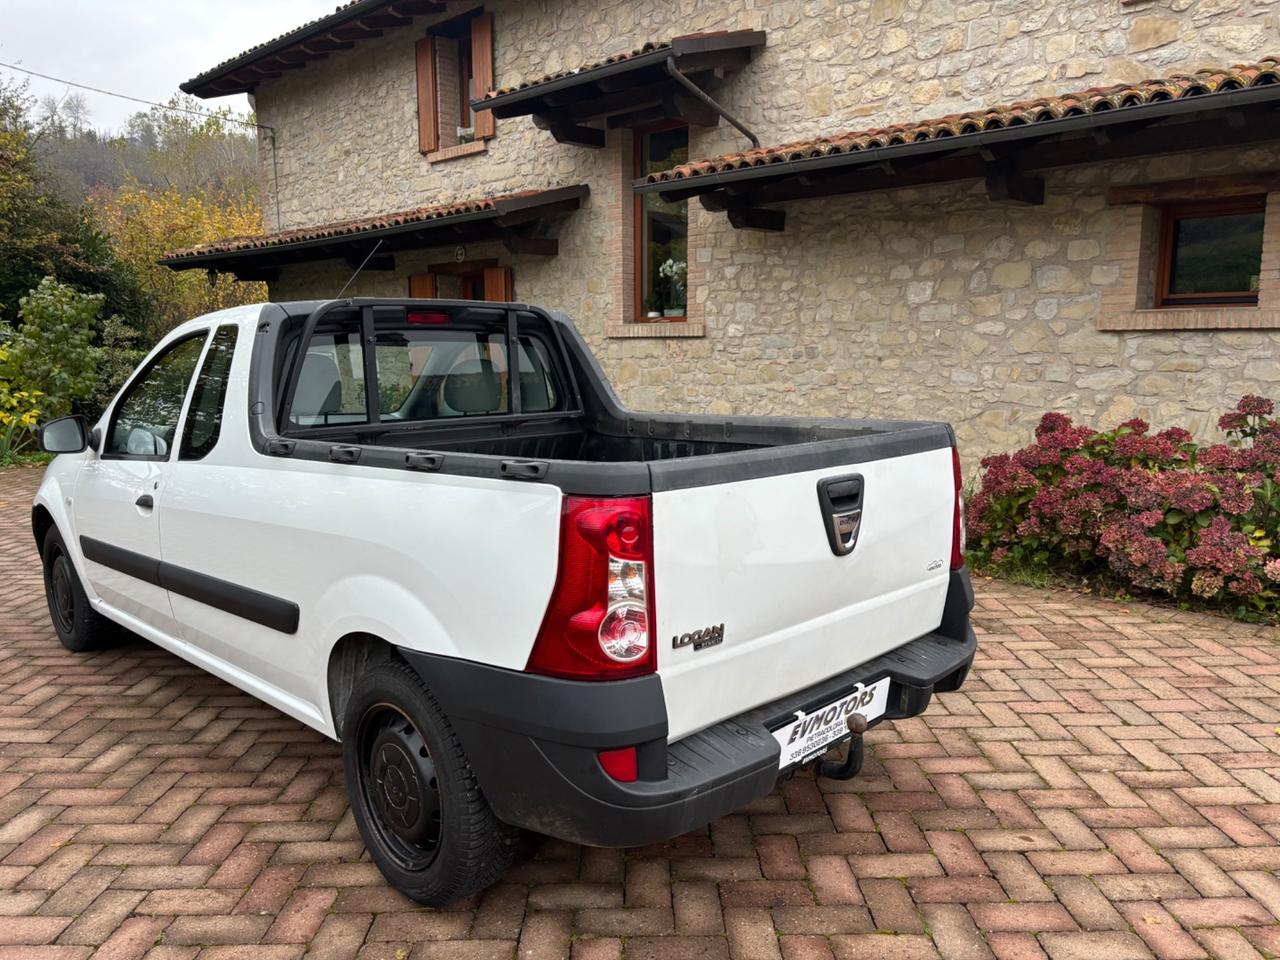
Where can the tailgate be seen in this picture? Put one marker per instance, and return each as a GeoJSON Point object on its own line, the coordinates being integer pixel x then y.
{"type": "Point", "coordinates": [755, 556]}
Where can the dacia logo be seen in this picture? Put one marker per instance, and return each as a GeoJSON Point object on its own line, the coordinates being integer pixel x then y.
{"type": "Point", "coordinates": [700, 639]}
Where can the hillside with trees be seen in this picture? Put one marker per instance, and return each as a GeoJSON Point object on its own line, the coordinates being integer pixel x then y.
{"type": "Point", "coordinates": [84, 215]}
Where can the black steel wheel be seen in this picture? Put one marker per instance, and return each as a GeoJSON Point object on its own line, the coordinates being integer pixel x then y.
{"type": "Point", "coordinates": [398, 778]}
{"type": "Point", "coordinates": [79, 627]}
{"type": "Point", "coordinates": [415, 799]}
{"type": "Point", "coordinates": [62, 605]}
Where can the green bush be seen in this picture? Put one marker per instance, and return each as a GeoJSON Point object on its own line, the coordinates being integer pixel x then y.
{"type": "Point", "coordinates": [52, 351]}
{"type": "Point", "coordinates": [1158, 512]}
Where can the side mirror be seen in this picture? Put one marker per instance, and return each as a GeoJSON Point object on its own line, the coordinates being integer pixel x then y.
{"type": "Point", "coordinates": [64, 435]}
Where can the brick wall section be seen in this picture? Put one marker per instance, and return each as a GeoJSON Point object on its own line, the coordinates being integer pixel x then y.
{"type": "Point", "coordinates": [1133, 248]}
{"type": "Point", "coordinates": [1269, 277]}
{"type": "Point", "coordinates": [449, 109]}
{"type": "Point", "coordinates": [916, 303]}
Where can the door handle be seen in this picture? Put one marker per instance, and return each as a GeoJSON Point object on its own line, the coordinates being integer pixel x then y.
{"type": "Point", "coordinates": [145, 502]}
{"type": "Point", "coordinates": [840, 499]}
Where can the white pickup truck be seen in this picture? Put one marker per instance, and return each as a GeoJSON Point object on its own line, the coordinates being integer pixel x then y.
{"type": "Point", "coordinates": [430, 530]}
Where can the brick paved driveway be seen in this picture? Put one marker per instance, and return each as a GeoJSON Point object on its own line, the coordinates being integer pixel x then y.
{"type": "Point", "coordinates": [1105, 787]}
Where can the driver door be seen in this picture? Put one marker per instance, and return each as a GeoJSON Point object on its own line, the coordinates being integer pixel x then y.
{"type": "Point", "coordinates": [118, 490]}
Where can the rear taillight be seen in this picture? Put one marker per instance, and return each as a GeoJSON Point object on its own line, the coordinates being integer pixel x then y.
{"type": "Point", "coordinates": [957, 516]}
{"type": "Point", "coordinates": [599, 624]}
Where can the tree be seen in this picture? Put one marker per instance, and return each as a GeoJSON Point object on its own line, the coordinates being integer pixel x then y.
{"type": "Point", "coordinates": [145, 223]}
{"type": "Point", "coordinates": [172, 147]}
{"type": "Point", "coordinates": [40, 233]}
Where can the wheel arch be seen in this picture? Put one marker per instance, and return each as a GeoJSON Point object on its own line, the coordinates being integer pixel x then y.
{"type": "Point", "coordinates": [41, 523]}
{"type": "Point", "coordinates": [349, 658]}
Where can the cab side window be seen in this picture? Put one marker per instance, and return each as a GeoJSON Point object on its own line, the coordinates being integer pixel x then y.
{"type": "Point", "coordinates": [145, 421]}
{"type": "Point", "coordinates": [204, 416]}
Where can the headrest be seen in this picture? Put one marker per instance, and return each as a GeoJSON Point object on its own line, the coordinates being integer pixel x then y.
{"type": "Point", "coordinates": [473, 387]}
{"type": "Point", "coordinates": [319, 387]}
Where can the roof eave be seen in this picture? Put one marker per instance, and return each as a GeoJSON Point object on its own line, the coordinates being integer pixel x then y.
{"type": "Point", "coordinates": [985, 139]}
{"type": "Point", "coordinates": [503, 207]}
{"type": "Point", "coordinates": [676, 48]}
{"type": "Point", "coordinates": [203, 85]}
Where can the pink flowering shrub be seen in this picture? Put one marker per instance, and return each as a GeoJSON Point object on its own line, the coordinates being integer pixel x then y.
{"type": "Point", "coordinates": [1157, 510]}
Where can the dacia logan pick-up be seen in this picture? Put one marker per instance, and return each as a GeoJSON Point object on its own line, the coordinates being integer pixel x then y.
{"type": "Point", "coordinates": [430, 530]}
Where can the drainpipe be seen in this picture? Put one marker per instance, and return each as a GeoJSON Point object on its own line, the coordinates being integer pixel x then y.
{"type": "Point", "coordinates": [702, 95]}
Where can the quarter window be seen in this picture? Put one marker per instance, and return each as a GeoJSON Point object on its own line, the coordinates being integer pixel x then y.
{"type": "Point", "coordinates": [204, 416]}
{"type": "Point", "coordinates": [146, 418]}
{"type": "Point", "coordinates": [1211, 253]}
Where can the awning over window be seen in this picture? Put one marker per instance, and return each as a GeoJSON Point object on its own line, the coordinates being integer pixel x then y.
{"type": "Point", "coordinates": [516, 219]}
{"type": "Point", "coordinates": [628, 89]}
{"type": "Point", "coordinates": [1003, 144]}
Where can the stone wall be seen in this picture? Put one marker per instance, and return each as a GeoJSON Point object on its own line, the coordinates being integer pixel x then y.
{"type": "Point", "coordinates": [914, 303]}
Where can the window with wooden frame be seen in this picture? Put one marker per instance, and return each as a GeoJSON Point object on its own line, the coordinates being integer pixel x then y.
{"type": "Point", "coordinates": [661, 229]}
{"type": "Point", "coordinates": [1210, 253]}
{"type": "Point", "coordinates": [477, 280]}
{"type": "Point", "coordinates": [455, 65]}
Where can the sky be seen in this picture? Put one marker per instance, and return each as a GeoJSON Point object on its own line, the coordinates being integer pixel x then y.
{"type": "Point", "coordinates": [143, 48]}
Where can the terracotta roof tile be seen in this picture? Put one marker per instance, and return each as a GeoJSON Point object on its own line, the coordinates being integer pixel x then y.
{"type": "Point", "coordinates": [342, 228]}
{"type": "Point", "coordinates": [1093, 100]}
{"type": "Point", "coordinates": [297, 31]}
{"type": "Point", "coordinates": [649, 47]}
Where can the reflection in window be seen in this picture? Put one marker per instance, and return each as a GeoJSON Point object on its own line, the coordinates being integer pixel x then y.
{"type": "Point", "coordinates": [1211, 253]}
{"type": "Point", "coordinates": [146, 418]}
{"type": "Point", "coordinates": [662, 257]}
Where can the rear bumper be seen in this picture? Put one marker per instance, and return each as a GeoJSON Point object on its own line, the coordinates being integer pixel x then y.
{"type": "Point", "coordinates": [532, 741]}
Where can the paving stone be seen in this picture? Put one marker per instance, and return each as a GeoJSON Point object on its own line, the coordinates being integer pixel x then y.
{"type": "Point", "coordinates": [1102, 787]}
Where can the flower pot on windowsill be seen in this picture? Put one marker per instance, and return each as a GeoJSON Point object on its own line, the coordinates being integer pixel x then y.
{"type": "Point", "coordinates": [653, 315]}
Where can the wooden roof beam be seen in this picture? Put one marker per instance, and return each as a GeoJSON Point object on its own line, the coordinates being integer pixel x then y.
{"type": "Point", "coordinates": [417, 8]}
{"type": "Point", "coordinates": [354, 31]}
{"type": "Point", "coordinates": [567, 132]}
{"type": "Point", "coordinates": [275, 63]}
{"type": "Point", "coordinates": [254, 74]}
{"type": "Point", "coordinates": [379, 21]}
{"type": "Point", "coordinates": [327, 44]}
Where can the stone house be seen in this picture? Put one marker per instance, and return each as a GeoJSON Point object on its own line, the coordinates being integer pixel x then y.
{"type": "Point", "coordinates": [1107, 243]}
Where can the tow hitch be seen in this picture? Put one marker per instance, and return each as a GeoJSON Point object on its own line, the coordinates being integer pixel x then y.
{"type": "Point", "coordinates": [847, 768]}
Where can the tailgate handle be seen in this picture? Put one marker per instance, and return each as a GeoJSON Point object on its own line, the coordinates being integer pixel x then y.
{"type": "Point", "coordinates": [840, 500]}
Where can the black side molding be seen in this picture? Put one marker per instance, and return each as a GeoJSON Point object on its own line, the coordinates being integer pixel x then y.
{"type": "Point", "coordinates": [232, 598]}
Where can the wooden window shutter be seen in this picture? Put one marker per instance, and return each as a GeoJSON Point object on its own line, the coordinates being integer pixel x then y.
{"type": "Point", "coordinates": [422, 286]}
{"type": "Point", "coordinates": [428, 106]}
{"type": "Point", "coordinates": [498, 284]}
{"type": "Point", "coordinates": [482, 71]}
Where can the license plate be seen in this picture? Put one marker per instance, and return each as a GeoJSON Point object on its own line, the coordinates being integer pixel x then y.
{"type": "Point", "coordinates": [810, 734]}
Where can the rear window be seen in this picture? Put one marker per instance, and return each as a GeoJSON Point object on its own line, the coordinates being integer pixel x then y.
{"type": "Point", "coordinates": [424, 372]}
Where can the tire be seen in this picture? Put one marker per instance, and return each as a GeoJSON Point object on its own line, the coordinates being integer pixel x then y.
{"type": "Point", "coordinates": [415, 798]}
{"type": "Point", "coordinates": [78, 625]}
